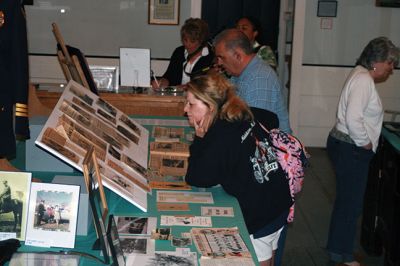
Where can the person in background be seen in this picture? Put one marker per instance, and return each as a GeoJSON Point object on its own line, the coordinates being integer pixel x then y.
{"type": "Point", "coordinates": [231, 149]}
{"type": "Point", "coordinates": [256, 82]}
{"type": "Point", "coordinates": [40, 210]}
{"type": "Point", "coordinates": [14, 78]}
{"type": "Point", "coordinates": [353, 141]}
{"type": "Point", "coordinates": [251, 27]}
{"type": "Point", "coordinates": [5, 196]}
{"type": "Point", "coordinates": [193, 58]}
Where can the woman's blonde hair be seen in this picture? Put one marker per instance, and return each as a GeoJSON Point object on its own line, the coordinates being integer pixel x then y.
{"type": "Point", "coordinates": [219, 95]}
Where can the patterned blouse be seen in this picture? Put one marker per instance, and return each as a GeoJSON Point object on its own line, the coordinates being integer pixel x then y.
{"type": "Point", "coordinates": [265, 53]}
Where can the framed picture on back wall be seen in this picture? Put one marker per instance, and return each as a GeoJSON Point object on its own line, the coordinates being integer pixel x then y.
{"type": "Point", "coordinates": [388, 3]}
{"type": "Point", "coordinates": [164, 12]}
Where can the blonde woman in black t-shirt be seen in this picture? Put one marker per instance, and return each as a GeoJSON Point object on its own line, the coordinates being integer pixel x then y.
{"type": "Point", "coordinates": [231, 149]}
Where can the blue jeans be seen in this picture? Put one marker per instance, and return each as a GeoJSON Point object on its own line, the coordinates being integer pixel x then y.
{"type": "Point", "coordinates": [351, 164]}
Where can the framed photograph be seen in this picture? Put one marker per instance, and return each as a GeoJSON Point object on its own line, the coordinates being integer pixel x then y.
{"type": "Point", "coordinates": [164, 12]}
{"type": "Point", "coordinates": [115, 243]}
{"type": "Point", "coordinates": [91, 172]}
{"type": "Point", "coordinates": [52, 216]}
{"type": "Point", "coordinates": [388, 3]}
{"type": "Point", "coordinates": [14, 199]}
{"type": "Point", "coordinates": [105, 77]}
{"type": "Point", "coordinates": [81, 120]}
{"type": "Point", "coordinates": [327, 8]}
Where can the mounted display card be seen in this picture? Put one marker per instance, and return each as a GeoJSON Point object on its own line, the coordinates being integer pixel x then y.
{"type": "Point", "coordinates": [167, 220]}
{"type": "Point", "coordinates": [52, 217]}
{"type": "Point", "coordinates": [14, 190]}
{"type": "Point", "coordinates": [81, 120]}
{"type": "Point", "coordinates": [217, 211]}
{"type": "Point", "coordinates": [135, 67]}
{"type": "Point", "coordinates": [220, 243]}
{"type": "Point", "coordinates": [182, 197]}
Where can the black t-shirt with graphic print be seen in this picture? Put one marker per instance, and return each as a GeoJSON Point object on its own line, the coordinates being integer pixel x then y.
{"type": "Point", "coordinates": [228, 155]}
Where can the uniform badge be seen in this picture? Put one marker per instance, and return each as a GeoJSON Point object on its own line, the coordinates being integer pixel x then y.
{"type": "Point", "coordinates": [1, 18]}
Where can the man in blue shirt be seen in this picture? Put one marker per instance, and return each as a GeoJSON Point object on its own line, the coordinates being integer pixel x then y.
{"type": "Point", "coordinates": [256, 82]}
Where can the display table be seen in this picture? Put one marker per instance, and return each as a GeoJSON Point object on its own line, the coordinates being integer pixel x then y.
{"type": "Point", "coordinates": [120, 207]}
{"type": "Point", "coordinates": [381, 215]}
{"type": "Point", "coordinates": [148, 103]}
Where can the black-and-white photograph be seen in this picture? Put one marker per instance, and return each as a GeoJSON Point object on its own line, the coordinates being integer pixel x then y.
{"type": "Point", "coordinates": [128, 225]}
{"type": "Point", "coordinates": [165, 258]}
{"type": "Point", "coordinates": [181, 241]}
{"type": "Point", "coordinates": [174, 163]}
{"type": "Point", "coordinates": [14, 196]}
{"type": "Point", "coordinates": [161, 234]}
{"type": "Point", "coordinates": [134, 245]}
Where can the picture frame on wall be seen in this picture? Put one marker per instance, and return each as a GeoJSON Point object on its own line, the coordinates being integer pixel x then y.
{"type": "Point", "coordinates": [387, 3]}
{"type": "Point", "coordinates": [164, 12]}
{"type": "Point", "coordinates": [327, 8]}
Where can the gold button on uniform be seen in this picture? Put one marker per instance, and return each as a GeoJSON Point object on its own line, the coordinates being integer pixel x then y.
{"type": "Point", "coordinates": [1, 18]}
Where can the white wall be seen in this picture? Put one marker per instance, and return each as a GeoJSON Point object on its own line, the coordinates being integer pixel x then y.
{"type": "Point", "coordinates": [101, 27]}
{"type": "Point", "coordinates": [46, 69]}
{"type": "Point", "coordinates": [315, 90]}
{"type": "Point", "coordinates": [357, 22]}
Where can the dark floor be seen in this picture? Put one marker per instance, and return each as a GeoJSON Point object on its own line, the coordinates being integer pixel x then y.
{"type": "Point", "coordinates": [307, 236]}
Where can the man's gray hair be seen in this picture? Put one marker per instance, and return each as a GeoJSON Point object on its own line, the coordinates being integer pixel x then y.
{"type": "Point", "coordinates": [232, 39]}
{"type": "Point", "coordinates": [380, 49]}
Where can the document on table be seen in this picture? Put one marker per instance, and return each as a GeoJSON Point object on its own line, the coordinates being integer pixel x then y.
{"type": "Point", "coordinates": [217, 211]}
{"type": "Point", "coordinates": [185, 221]}
{"type": "Point", "coordinates": [185, 197]}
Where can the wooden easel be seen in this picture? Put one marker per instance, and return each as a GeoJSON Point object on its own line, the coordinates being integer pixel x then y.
{"type": "Point", "coordinates": [70, 64]}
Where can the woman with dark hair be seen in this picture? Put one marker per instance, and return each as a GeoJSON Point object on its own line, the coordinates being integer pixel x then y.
{"type": "Point", "coordinates": [353, 141]}
{"type": "Point", "coordinates": [251, 27]}
{"type": "Point", "coordinates": [193, 58]}
{"type": "Point", "coordinates": [231, 149]}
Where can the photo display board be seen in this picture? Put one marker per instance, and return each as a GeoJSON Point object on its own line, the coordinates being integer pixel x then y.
{"type": "Point", "coordinates": [81, 120]}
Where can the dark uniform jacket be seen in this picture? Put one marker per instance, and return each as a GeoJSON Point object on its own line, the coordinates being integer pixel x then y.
{"type": "Point", "coordinates": [13, 76]}
{"type": "Point", "coordinates": [175, 67]}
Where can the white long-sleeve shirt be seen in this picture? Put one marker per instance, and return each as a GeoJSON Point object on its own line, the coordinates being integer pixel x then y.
{"type": "Point", "coordinates": [360, 112]}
